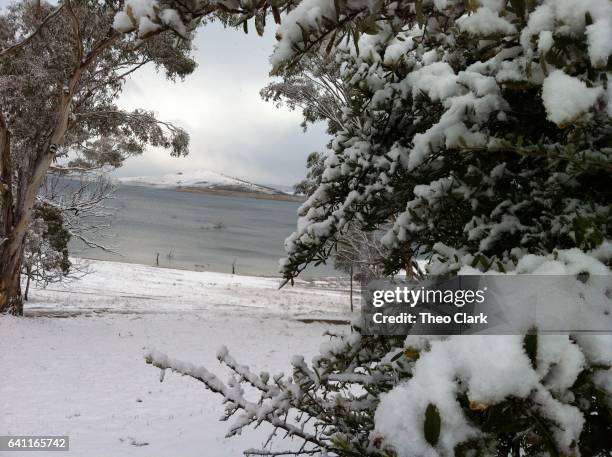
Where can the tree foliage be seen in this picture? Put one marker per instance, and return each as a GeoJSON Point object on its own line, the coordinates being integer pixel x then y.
{"type": "Point", "coordinates": [46, 259]}
{"type": "Point", "coordinates": [315, 87]}
{"type": "Point", "coordinates": [447, 137]}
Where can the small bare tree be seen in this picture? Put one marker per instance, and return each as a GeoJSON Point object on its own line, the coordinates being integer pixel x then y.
{"type": "Point", "coordinates": [83, 202]}
{"type": "Point", "coordinates": [70, 205]}
{"type": "Point", "coordinates": [360, 253]}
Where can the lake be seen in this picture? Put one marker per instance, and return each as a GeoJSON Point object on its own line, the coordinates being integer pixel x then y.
{"type": "Point", "coordinates": [199, 231]}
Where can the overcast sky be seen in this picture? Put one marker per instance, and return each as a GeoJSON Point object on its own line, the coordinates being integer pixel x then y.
{"type": "Point", "coordinates": [232, 130]}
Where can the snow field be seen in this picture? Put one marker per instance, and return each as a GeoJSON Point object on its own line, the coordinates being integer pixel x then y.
{"type": "Point", "coordinates": [75, 366]}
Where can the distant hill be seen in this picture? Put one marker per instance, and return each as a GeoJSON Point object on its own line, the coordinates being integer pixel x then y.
{"type": "Point", "coordinates": [199, 180]}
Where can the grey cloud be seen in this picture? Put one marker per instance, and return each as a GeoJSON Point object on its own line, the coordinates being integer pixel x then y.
{"type": "Point", "coordinates": [233, 131]}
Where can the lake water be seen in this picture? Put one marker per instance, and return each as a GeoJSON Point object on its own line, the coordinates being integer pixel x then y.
{"type": "Point", "coordinates": [199, 231]}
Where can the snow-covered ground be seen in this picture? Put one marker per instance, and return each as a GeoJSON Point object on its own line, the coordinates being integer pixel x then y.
{"type": "Point", "coordinates": [74, 365]}
{"type": "Point", "coordinates": [202, 179]}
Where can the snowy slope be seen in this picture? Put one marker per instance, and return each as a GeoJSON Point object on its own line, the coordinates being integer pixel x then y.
{"type": "Point", "coordinates": [201, 179]}
{"type": "Point", "coordinates": [113, 287]}
{"type": "Point", "coordinates": [82, 371]}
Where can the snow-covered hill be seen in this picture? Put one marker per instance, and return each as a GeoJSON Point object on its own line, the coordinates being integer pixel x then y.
{"type": "Point", "coordinates": [202, 179]}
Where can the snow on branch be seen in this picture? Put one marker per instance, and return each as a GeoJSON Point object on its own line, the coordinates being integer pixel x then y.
{"type": "Point", "coordinates": [321, 404]}
{"type": "Point", "coordinates": [82, 201]}
{"type": "Point", "coordinates": [273, 407]}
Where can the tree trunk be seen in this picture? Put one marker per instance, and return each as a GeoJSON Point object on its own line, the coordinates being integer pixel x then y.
{"type": "Point", "coordinates": [11, 300]}
{"type": "Point", "coordinates": [27, 289]}
{"type": "Point", "coordinates": [351, 275]}
{"type": "Point", "coordinates": [17, 209]}
{"type": "Point", "coordinates": [14, 219]}
{"type": "Point", "coordinates": [15, 225]}
{"type": "Point", "coordinates": [10, 246]}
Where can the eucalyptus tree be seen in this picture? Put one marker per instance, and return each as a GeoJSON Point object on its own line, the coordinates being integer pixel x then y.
{"type": "Point", "coordinates": [62, 68]}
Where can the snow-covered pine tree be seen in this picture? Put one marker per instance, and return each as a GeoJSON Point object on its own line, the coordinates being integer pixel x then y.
{"type": "Point", "coordinates": [422, 95]}
{"type": "Point", "coordinates": [481, 130]}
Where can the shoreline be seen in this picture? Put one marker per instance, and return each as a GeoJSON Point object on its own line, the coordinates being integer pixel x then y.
{"type": "Point", "coordinates": [225, 192]}
{"type": "Point", "coordinates": [238, 193]}
{"type": "Point", "coordinates": [305, 279]}
{"type": "Point", "coordinates": [335, 283]}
